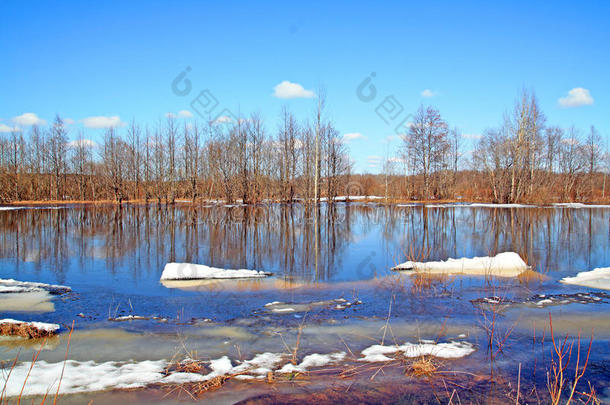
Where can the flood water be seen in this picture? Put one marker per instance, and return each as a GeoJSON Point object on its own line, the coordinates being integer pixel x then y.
{"type": "Point", "coordinates": [113, 257]}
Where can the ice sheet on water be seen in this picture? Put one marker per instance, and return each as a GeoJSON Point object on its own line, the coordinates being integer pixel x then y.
{"type": "Point", "coordinates": [543, 300]}
{"type": "Point", "coordinates": [596, 278]}
{"type": "Point", "coordinates": [507, 264]}
{"type": "Point", "coordinates": [15, 286]}
{"type": "Point", "coordinates": [190, 271]}
{"type": "Point", "coordinates": [278, 307]}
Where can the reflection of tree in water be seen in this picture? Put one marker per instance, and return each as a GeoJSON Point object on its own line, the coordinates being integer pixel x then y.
{"type": "Point", "coordinates": [549, 238]}
{"type": "Point", "coordinates": [276, 237]}
{"type": "Point", "coordinates": [281, 238]}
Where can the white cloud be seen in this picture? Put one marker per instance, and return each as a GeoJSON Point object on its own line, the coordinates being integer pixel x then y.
{"type": "Point", "coordinates": [88, 143]}
{"type": "Point", "coordinates": [68, 121]}
{"type": "Point", "coordinates": [472, 136]}
{"type": "Point", "coordinates": [577, 97]}
{"type": "Point", "coordinates": [427, 93]}
{"type": "Point", "coordinates": [181, 114]}
{"type": "Point", "coordinates": [397, 137]}
{"type": "Point", "coordinates": [374, 160]}
{"type": "Point", "coordinates": [27, 119]}
{"type": "Point", "coordinates": [352, 136]}
{"type": "Point", "coordinates": [103, 122]}
{"type": "Point", "coordinates": [288, 89]}
{"type": "Point", "coordinates": [391, 138]}
{"type": "Point", "coordinates": [223, 119]}
{"type": "Point", "coordinates": [6, 128]}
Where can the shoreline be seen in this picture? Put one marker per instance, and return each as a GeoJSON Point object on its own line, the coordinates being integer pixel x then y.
{"type": "Point", "coordinates": [378, 199]}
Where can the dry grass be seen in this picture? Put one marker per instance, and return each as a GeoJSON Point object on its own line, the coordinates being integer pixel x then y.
{"type": "Point", "coordinates": [4, 400]}
{"type": "Point", "coordinates": [210, 385]}
{"type": "Point", "coordinates": [557, 376]}
{"type": "Point", "coordinates": [24, 330]}
{"type": "Point", "coordinates": [424, 366]}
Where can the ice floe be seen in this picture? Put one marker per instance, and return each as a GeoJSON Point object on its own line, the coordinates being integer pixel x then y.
{"type": "Point", "coordinates": [596, 278]}
{"type": "Point", "coordinates": [507, 264]}
{"type": "Point", "coordinates": [126, 318]}
{"type": "Point", "coordinates": [38, 301]}
{"type": "Point", "coordinates": [25, 296]}
{"type": "Point", "coordinates": [448, 350]}
{"type": "Point", "coordinates": [189, 271]}
{"type": "Point", "coordinates": [278, 307]}
{"type": "Point", "coordinates": [542, 300]}
{"type": "Point", "coordinates": [14, 286]}
{"type": "Point", "coordinates": [233, 284]}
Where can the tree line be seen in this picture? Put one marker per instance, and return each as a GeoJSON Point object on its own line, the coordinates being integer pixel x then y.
{"type": "Point", "coordinates": [522, 159]}
{"type": "Point", "coordinates": [237, 160]}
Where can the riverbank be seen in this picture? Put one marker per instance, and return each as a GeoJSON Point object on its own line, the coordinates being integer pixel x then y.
{"type": "Point", "coordinates": [340, 199]}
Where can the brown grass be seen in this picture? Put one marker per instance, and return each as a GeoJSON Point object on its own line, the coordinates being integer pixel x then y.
{"type": "Point", "coordinates": [4, 400]}
{"type": "Point", "coordinates": [24, 330]}
{"type": "Point", "coordinates": [424, 366]}
{"type": "Point", "coordinates": [210, 385]}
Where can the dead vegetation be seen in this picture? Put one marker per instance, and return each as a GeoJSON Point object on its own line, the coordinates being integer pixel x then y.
{"type": "Point", "coordinates": [5, 400]}
{"type": "Point", "coordinates": [558, 383]}
{"type": "Point", "coordinates": [424, 366]}
{"type": "Point", "coordinates": [24, 330]}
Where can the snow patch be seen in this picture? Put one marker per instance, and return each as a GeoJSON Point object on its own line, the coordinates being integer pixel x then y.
{"type": "Point", "coordinates": [10, 208]}
{"type": "Point", "coordinates": [47, 327]}
{"type": "Point", "coordinates": [80, 376]}
{"type": "Point", "coordinates": [278, 307]}
{"type": "Point", "coordinates": [189, 271]}
{"type": "Point", "coordinates": [125, 318]}
{"type": "Point", "coordinates": [90, 376]}
{"type": "Point", "coordinates": [450, 350]}
{"type": "Point", "coordinates": [507, 264]}
{"type": "Point", "coordinates": [486, 205]}
{"type": "Point", "coordinates": [259, 365]}
{"type": "Point", "coordinates": [579, 205]}
{"type": "Point", "coordinates": [313, 360]}
{"type": "Point", "coordinates": [596, 278]}
{"type": "Point", "coordinates": [14, 286]}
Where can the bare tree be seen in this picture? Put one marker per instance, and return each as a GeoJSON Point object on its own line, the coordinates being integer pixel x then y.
{"type": "Point", "coordinates": [134, 158]}
{"type": "Point", "coordinates": [113, 158]}
{"type": "Point", "coordinates": [57, 148]}
{"type": "Point", "coordinates": [592, 154]}
{"type": "Point", "coordinates": [81, 162]}
{"type": "Point", "coordinates": [428, 144]}
{"type": "Point", "coordinates": [571, 164]}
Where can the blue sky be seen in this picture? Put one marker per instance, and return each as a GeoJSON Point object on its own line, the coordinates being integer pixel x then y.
{"type": "Point", "coordinates": [84, 59]}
